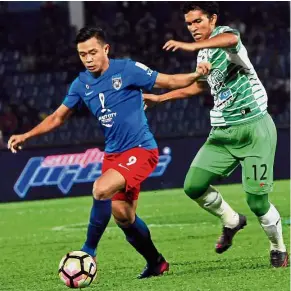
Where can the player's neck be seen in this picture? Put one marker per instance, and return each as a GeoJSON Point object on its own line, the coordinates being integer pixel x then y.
{"type": "Point", "coordinates": [211, 31]}
{"type": "Point", "coordinates": [102, 71]}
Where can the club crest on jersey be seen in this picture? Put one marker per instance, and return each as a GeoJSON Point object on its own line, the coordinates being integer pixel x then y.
{"type": "Point", "coordinates": [116, 82]}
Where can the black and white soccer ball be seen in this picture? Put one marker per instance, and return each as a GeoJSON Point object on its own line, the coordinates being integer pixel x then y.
{"type": "Point", "coordinates": [77, 269]}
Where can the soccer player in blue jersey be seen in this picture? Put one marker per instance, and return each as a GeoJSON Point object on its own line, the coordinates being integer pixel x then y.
{"type": "Point", "coordinates": [112, 91]}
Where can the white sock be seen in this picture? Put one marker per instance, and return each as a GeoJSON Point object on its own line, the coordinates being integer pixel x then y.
{"type": "Point", "coordinates": [271, 224]}
{"type": "Point", "coordinates": [213, 202]}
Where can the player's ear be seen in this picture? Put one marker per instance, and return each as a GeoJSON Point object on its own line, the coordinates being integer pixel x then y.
{"type": "Point", "coordinates": [213, 19]}
{"type": "Point", "coordinates": [106, 48]}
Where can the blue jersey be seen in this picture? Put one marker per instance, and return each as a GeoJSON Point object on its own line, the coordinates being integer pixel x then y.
{"type": "Point", "coordinates": [115, 99]}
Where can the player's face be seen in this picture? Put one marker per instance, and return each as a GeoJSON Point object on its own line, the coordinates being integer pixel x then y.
{"type": "Point", "coordinates": [94, 55]}
{"type": "Point", "coordinates": [199, 24]}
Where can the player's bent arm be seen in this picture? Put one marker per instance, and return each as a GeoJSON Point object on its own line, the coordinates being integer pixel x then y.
{"type": "Point", "coordinates": [223, 40]}
{"type": "Point", "coordinates": [175, 81]}
{"type": "Point", "coordinates": [182, 80]}
{"type": "Point", "coordinates": [194, 89]}
{"type": "Point", "coordinates": [51, 122]}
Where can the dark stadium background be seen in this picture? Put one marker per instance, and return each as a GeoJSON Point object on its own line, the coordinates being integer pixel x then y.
{"type": "Point", "coordinates": [38, 61]}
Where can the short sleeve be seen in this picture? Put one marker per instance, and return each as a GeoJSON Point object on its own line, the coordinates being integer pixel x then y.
{"type": "Point", "coordinates": [140, 75]}
{"type": "Point", "coordinates": [227, 29]}
{"type": "Point", "coordinates": [73, 99]}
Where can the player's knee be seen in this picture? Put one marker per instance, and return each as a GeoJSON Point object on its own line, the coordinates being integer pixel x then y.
{"type": "Point", "coordinates": [100, 191]}
{"type": "Point", "coordinates": [259, 204]}
{"type": "Point", "coordinates": [193, 189]}
{"type": "Point", "coordinates": [196, 182]}
{"type": "Point", "coordinates": [123, 216]}
{"type": "Point", "coordinates": [255, 206]}
{"type": "Point", "coordinates": [123, 219]}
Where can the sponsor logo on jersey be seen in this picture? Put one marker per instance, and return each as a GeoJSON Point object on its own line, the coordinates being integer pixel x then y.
{"type": "Point", "coordinates": [223, 99]}
{"type": "Point", "coordinates": [107, 119]}
{"type": "Point", "coordinates": [224, 95]}
{"type": "Point", "coordinates": [116, 82]}
{"type": "Point", "coordinates": [107, 116]}
{"type": "Point", "coordinates": [215, 80]}
{"type": "Point", "coordinates": [66, 170]}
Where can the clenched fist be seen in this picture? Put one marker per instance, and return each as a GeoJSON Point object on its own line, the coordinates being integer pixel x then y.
{"type": "Point", "coordinates": [15, 142]}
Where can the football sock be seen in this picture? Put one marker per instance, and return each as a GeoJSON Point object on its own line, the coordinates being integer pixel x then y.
{"type": "Point", "coordinates": [99, 218]}
{"type": "Point", "coordinates": [138, 235]}
{"type": "Point", "coordinates": [213, 202]}
{"type": "Point", "coordinates": [271, 224]}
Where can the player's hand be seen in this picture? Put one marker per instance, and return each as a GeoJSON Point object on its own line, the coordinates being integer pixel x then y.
{"type": "Point", "coordinates": [174, 45]}
{"type": "Point", "coordinates": [150, 100]}
{"type": "Point", "coordinates": [15, 142]}
{"type": "Point", "coordinates": [203, 68]}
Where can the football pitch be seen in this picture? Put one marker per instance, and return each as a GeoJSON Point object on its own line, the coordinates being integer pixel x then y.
{"type": "Point", "coordinates": [35, 235]}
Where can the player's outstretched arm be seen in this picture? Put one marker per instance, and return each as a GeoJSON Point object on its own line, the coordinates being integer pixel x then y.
{"type": "Point", "coordinates": [192, 90]}
{"type": "Point", "coordinates": [223, 40]}
{"type": "Point", "coordinates": [48, 124]}
{"type": "Point", "coordinates": [181, 80]}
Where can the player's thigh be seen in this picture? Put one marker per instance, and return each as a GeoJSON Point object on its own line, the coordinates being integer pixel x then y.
{"type": "Point", "coordinates": [257, 173]}
{"type": "Point", "coordinates": [257, 166]}
{"type": "Point", "coordinates": [108, 184]}
{"type": "Point", "coordinates": [135, 165]}
{"type": "Point", "coordinates": [215, 158]}
{"type": "Point", "coordinates": [130, 195]}
{"type": "Point", "coordinates": [124, 211]}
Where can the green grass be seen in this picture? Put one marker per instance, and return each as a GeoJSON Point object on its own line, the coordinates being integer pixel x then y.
{"type": "Point", "coordinates": [35, 235]}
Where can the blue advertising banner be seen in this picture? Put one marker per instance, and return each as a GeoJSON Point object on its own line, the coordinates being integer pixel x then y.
{"type": "Point", "coordinates": [55, 172]}
{"type": "Point", "coordinates": [70, 171]}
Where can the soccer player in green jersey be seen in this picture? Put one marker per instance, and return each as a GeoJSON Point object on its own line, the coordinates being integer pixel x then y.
{"type": "Point", "coordinates": [242, 130]}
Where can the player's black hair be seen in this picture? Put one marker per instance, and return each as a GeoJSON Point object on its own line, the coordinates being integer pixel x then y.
{"type": "Point", "coordinates": [88, 32]}
{"type": "Point", "coordinates": [208, 7]}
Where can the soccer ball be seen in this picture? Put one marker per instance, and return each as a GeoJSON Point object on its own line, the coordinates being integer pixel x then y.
{"type": "Point", "coordinates": [77, 269]}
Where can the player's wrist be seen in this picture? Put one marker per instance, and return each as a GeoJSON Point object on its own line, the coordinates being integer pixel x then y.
{"type": "Point", "coordinates": [168, 96]}
{"type": "Point", "coordinates": [197, 75]}
{"type": "Point", "coordinates": [162, 98]}
{"type": "Point", "coordinates": [191, 46]}
{"type": "Point", "coordinates": [26, 136]}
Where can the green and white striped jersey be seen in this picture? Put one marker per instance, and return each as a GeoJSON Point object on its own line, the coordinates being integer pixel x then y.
{"type": "Point", "coordinates": [239, 95]}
